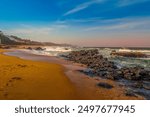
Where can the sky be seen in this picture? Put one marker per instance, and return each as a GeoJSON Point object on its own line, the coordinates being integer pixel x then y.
{"type": "Point", "coordinates": [113, 23]}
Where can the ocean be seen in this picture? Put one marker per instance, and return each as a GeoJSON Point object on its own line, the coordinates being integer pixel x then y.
{"type": "Point", "coordinates": [106, 52]}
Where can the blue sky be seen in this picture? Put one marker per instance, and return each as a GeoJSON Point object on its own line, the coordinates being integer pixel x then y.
{"type": "Point", "coordinates": [79, 22]}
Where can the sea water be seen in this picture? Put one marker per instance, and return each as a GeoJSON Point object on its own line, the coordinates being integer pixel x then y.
{"type": "Point", "coordinates": [106, 52]}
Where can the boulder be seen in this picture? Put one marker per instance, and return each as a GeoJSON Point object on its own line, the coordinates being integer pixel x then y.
{"type": "Point", "coordinates": [39, 48]}
{"type": "Point", "coordinates": [104, 85]}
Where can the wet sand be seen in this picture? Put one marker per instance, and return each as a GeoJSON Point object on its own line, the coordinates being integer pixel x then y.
{"type": "Point", "coordinates": [47, 77]}
{"type": "Point", "coordinates": [28, 80]}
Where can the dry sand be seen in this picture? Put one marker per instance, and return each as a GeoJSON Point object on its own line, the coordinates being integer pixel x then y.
{"type": "Point", "coordinates": [51, 78]}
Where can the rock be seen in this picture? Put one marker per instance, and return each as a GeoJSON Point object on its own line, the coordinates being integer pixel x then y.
{"type": "Point", "coordinates": [88, 72]}
{"type": "Point", "coordinates": [138, 85]}
{"type": "Point", "coordinates": [129, 54]}
{"type": "Point", "coordinates": [146, 87]}
{"type": "Point", "coordinates": [104, 68]}
{"type": "Point", "coordinates": [135, 73]}
{"type": "Point", "coordinates": [144, 94]}
{"type": "Point", "coordinates": [39, 48]}
{"type": "Point", "coordinates": [29, 48]}
{"type": "Point", "coordinates": [105, 85]}
{"type": "Point", "coordinates": [145, 74]}
{"type": "Point", "coordinates": [110, 76]}
{"type": "Point", "coordinates": [130, 93]}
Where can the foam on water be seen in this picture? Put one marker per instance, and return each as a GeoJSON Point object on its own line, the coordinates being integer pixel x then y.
{"type": "Point", "coordinates": [130, 50]}
{"type": "Point", "coordinates": [51, 50]}
{"type": "Point", "coordinates": [138, 50]}
{"type": "Point", "coordinates": [120, 61]}
{"type": "Point", "coordinates": [127, 61]}
{"type": "Point", "coordinates": [57, 49]}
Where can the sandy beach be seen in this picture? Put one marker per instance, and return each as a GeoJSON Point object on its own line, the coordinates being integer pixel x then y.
{"type": "Point", "coordinates": [35, 77]}
{"type": "Point", "coordinates": [23, 79]}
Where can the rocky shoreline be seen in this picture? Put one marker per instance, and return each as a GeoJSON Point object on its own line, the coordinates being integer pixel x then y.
{"type": "Point", "coordinates": [129, 54]}
{"type": "Point", "coordinates": [99, 66]}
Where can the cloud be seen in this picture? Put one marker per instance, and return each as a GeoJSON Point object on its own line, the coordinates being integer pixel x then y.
{"type": "Point", "coordinates": [83, 6]}
{"type": "Point", "coordinates": [79, 21]}
{"type": "Point", "coordinates": [123, 3]}
{"type": "Point", "coordinates": [124, 24]}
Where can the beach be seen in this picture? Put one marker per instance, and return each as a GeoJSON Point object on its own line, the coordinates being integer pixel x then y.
{"type": "Point", "coordinates": [33, 77]}
{"type": "Point", "coordinates": [23, 79]}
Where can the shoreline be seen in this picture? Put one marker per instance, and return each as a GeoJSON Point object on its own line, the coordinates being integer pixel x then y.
{"type": "Point", "coordinates": [85, 86]}
{"type": "Point", "coordinates": [32, 80]}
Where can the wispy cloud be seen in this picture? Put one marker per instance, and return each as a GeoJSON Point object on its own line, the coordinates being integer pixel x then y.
{"type": "Point", "coordinates": [123, 3]}
{"type": "Point", "coordinates": [83, 6]}
{"type": "Point", "coordinates": [79, 21]}
{"type": "Point", "coordinates": [124, 24]}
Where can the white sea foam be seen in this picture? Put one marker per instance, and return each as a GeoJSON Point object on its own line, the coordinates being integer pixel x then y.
{"type": "Point", "coordinates": [51, 50]}
{"type": "Point", "coordinates": [122, 61]}
{"type": "Point", "coordinates": [57, 49]}
{"type": "Point", "coordinates": [128, 50]}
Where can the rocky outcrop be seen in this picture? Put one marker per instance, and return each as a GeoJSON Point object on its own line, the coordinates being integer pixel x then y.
{"type": "Point", "coordinates": [136, 80]}
{"type": "Point", "coordinates": [39, 48]}
{"type": "Point", "coordinates": [129, 54]}
{"type": "Point", "coordinates": [102, 67]}
{"type": "Point", "coordinates": [36, 48]}
{"type": "Point", "coordinates": [135, 73]}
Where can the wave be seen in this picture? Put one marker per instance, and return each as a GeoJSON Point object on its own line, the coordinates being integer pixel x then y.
{"type": "Point", "coordinates": [129, 50]}
{"type": "Point", "coordinates": [51, 50]}
{"type": "Point", "coordinates": [58, 49]}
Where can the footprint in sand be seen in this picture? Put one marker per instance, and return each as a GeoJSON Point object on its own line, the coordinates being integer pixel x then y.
{"type": "Point", "coordinates": [9, 84]}
{"type": "Point", "coordinates": [16, 78]}
{"type": "Point", "coordinates": [1, 89]}
{"type": "Point", "coordinates": [19, 65]}
{"type": "Point", "coordinates": [5, 95]}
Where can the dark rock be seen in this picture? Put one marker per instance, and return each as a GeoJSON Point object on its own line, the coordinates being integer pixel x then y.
{"type": "Point", "coordinates": [130, 93]}
{"type": "Point", "coordinates": [104, 68]}
{"type": "Point", "coordinates": [134, 73]}
{"type": "Point", "coordinates": [146, 87]}
{"type": "Point", "coordinates": [129, 54]}
{"type": "Point", "coordinates": [105, 85]}
{"type": "Point", "coordinates": [29, 48]}
{"type": "Point", "coordinates": [87, 72]}
{"type": "Point", "coordinates": [136, 78]}
{"type": "Point", "coordinates": [141, 93]}
{"type": "Point", "coordinates": [138, 85]}
{"type": "Point", "coordinates": [39, 48]}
